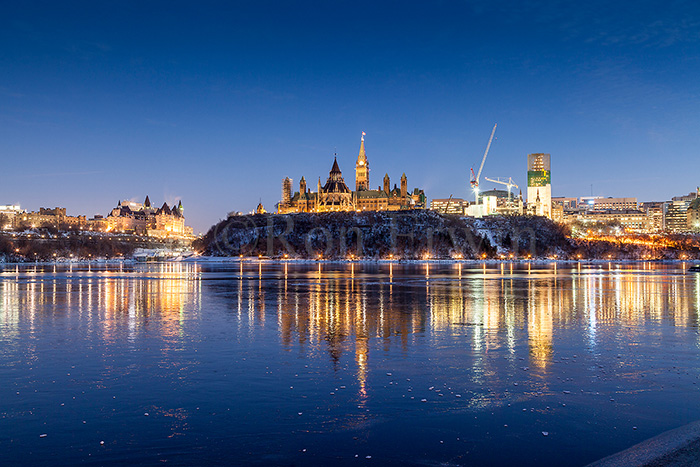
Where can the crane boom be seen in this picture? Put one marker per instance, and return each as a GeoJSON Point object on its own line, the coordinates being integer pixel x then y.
{"type": "Point", "coordinates": [509, 183]}
{"type": "Point", "coordinates": [475, 179]}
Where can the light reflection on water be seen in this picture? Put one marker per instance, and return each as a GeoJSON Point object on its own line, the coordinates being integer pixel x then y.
{"type": "Point", "coordinates": [375, 356]}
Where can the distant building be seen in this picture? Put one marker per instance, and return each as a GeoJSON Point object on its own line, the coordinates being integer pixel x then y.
{"type": "Point", "coordinates": [677, 218]}
{"type": "Point", "coordinates": [539, 185]}
{"type": "Point", "coordinates": [98, 223]}
{"type": "Point", "coordinates": [8, 215]}
{"type": "Point", "coordinates": [51, 218]}
{"type": "Point", "coordinates": [561, 206]}
{"type": "Point", "coordinates": [449, 205]}
{"type": "Point", "coordinates": [567, 204]}
{"type": "Point", "coordinates": [503, 194]}
{"type": "Point", "coordinates": [632, 220]}
{"type": "Point", "coordinates": [603, 204]}
{"type": "Point", "coordinates": [694, 215]}
{"type": "Point", "coordinates": [336, 196]}
{"type": "Point", "coordinates": [144, 219]}
{"type": "Point", "coordinates": [689, 197]}
{"type": "Point", "coordinates": [557, 212]}
{"type": "Point", "coordinates": [501, 202]}
{"type": "Point", "coordinates": [286, 192]}
{"type": "Point", "coordinates": [655, 213]}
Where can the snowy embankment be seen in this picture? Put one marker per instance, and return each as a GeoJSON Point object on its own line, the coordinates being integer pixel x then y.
{"type": "Point", "coordinates": [405, 235]}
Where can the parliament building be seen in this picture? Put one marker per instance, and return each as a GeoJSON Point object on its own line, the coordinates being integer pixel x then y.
{"type": "Point", "coordinates": [336, 196]}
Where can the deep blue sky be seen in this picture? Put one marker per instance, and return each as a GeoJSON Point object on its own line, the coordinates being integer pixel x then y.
{"type": "Point", "coordinates": [215, 102]}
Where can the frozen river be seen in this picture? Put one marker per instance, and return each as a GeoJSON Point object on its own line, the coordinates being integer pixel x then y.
{"type": "Point", "coordinates": [343, 364]}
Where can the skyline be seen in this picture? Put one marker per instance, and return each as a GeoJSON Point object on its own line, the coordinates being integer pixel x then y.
{"type": "Point", "coordinates": [219, 104]}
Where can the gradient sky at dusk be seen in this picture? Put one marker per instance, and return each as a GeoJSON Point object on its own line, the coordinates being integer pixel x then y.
{"type": "Point", "coordinates": [215, 102]}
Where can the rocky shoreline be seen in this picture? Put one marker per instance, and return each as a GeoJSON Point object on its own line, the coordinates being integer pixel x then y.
{"type": "Point", "coordinates": [421, 235]}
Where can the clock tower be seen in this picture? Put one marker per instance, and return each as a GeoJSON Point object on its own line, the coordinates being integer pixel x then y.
{"type": "Point", "coordinates": [362, 168]}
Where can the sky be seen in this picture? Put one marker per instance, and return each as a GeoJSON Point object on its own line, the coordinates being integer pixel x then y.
{"type": "Point", "coordinates": [214, 103]}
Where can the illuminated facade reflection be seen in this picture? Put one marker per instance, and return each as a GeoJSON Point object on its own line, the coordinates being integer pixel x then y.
{"type": "Point", "coordinates": [356, 311]}
{"type": "Point", "coordinates": [349, 314]}
{"type": "Point", "coordinates": [105, 300]}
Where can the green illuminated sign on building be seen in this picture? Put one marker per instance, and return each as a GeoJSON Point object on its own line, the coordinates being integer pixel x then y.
{"type": "Point", "coordinates": [538, 178]}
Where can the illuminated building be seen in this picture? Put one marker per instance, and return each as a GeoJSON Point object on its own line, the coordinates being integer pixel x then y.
{"type": "Point", "coordinates": [501, 202]}
{"type": "Point", "coordinates": [287, 190]}
{"type": "Point", "coordinates": [539, 185]}
{"type": "Point", "coordinates": [694, 215]}
{"type": "Point", "coordinates": [568, 204]}
{"type": "Point", "coordinates": [632, 220]}
{"type": "Point", "coordinates": [605, 204]}
{"type": "Point", "coordinates": [8, 215]}
{"type": "Point", "coordinates": [449, 205]}
{"type": "Point", "coordinates": [55, 218]}
{"type": "Point", "coordinates": [613, 203]}
{"type": "Point", "coordinates": [362, 168]}
{"type": "Point", "coordinates": [336, 196]}
{"type": "Point", "coordinates": [127, 217]}
{"type": "Point", "coordinates": [655, 212]}
{"type": "Point", "coordinates": [676, 215]}
{"type": "Point", "coordinates": [144, 219]}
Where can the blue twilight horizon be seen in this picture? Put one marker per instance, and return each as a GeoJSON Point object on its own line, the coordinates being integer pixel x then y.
{"type": "Point", "coordinates": [215, 103]}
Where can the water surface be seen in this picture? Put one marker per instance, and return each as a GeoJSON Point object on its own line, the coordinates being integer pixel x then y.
{"type": "Point", "coordinates": [349, 364]}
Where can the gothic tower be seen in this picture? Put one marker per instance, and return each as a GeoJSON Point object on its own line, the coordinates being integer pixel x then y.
{"type": "Point", "coordinates": [302, 186]}
{"type": "Point", "coordinates": [404, 186]}
{"type": "Point", "coordinates": [362, 168]}
{"type": "Point", "coordinates": [387, 184]}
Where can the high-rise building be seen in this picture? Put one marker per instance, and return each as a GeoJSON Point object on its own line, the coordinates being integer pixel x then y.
{"type": "Point", "coordinates": [539, 185]}
{"type": "Point", "coordinates": [676, 215]}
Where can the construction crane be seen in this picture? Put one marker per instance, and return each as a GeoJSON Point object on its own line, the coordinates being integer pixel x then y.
{"type": "Point", "coordinates": [475, 178]}
{"type": "Point", "coordinates": [447, 206]}
{"type": "Point", "coordinates": [510, 184]}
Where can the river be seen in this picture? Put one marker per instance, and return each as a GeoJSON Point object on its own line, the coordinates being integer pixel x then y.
{"type": "Point", "coordinates": [263, 363]}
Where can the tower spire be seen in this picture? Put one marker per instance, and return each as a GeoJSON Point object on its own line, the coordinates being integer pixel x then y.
{"type": "Point", "coordinates": [362, 167]}
{"type": "Point", "coordinates": [362, 155]}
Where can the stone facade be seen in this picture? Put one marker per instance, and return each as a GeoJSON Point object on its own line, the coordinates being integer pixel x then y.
{"type": "Point", "coordinates": [336, 196]}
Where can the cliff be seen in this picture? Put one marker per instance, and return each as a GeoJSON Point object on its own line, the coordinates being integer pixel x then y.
{"type": "Point", "coordinates": [416, 234]}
